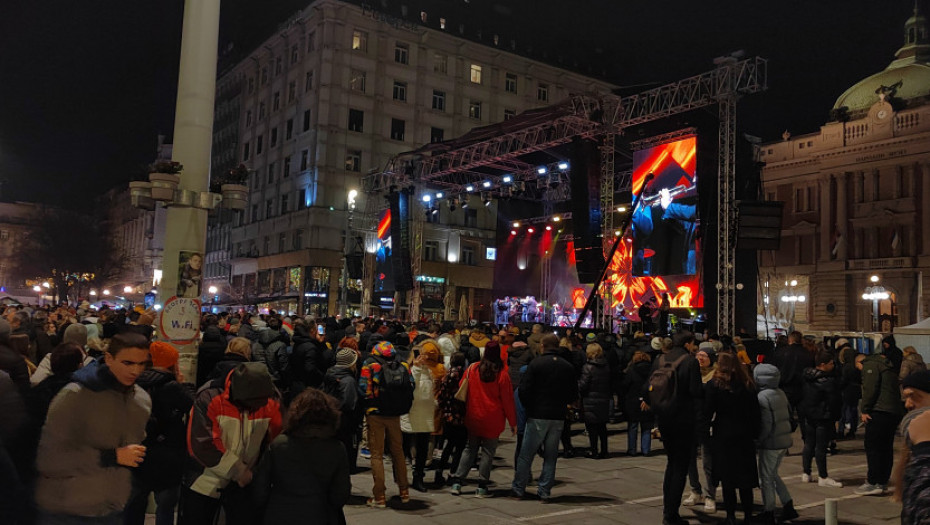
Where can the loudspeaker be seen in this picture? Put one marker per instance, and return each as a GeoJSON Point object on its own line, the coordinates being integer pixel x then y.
{"type": "Point", "coordinates": [586, 209]}
{"type": "Point", "coordinates": [759, 225]}
{"type": "Point", "coordinates": [400, 240]}
{"type": "Point", "coordinates": [354, 266]}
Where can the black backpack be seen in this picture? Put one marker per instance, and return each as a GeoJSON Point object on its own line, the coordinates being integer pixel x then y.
{"type": "Point", "coordinates": [663, 386]}
{"type": "Point", "coordinates": [395, 391]}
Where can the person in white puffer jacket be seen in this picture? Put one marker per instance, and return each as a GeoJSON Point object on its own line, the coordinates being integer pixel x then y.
{"type": "Point", "coordinates": [774, 441]}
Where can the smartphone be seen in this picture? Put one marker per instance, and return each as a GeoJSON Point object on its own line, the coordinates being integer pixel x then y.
{"type": "Point", "coordinates": [320, 329]}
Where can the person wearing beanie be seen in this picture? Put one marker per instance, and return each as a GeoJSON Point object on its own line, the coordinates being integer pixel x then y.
{"type": "Point", "coordinates": [340, 383]}
{"type": "Point", "coordinates": [247, 402]}
{"type": "Point", "coordinates": [165, 440]}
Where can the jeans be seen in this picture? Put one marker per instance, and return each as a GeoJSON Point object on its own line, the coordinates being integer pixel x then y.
{"type": "Point", "coordinates": [545, 432]}
{"type": "Point", "coordinates": [64, 519]}
{"type": "Point", "coordinates": [772, 485]}
{"type": "Point", "coordinates": [643, 431]}
{"type": "Point", "coordinates": [817, 435]}
{"type": "Point", "coordinates": [237, 504]}
{"type": "Point", "coordinates": [456, 436]}
{"type": "Point", "coordinates": [488, 448]}
{"type": "Point", "coordinates": [378, 428]}
{"type": "Point", "coordinates": [165, 500]}
{"type": "Point", "coordinates": [707, 465]}
{"type": "Point", "coordinates": [679, 446]}
{"type": "Point", "coordinates": [596, 432]}
{"type": "Point", "coordinates": [879, 446]}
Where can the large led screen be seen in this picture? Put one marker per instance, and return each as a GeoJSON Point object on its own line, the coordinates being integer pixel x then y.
{"type": "Point", "coordinates": [659, 259]}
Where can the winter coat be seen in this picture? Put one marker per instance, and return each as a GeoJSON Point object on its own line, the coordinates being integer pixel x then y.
{"type": "Point", "coordinates": [518, 357]}
{"type": "Point", "coordinates": [87, 421]}
{"type": "Point", "coordinates": [271, 349]}
{"type": "Point", "coordinates": [15, 365]}
{"type": "Point", "coordinates": [690, 390]}
{"type": "Point", "coordinates": [548, 386]}
{"type": "Point", "coordinates": [166, 431]}
{"type": "Point", "coordinates": [820, 399]}
{"type": "Point", "coordinates": [422, 416]}
{"type": "Point", "coordinates": [451, 410]}
{"type": "Point", "coordinates": [595, 389]}
{"type": "Point", "coordinates": [880, 387]}
{"type": "Point", "coordinates": [308, 361]}
{"type": "Point", "coordinates": [910, 364]}
{"type": "Point", "coordinates": [224, 367]}
{"type": "Point", "coordinates": [733, 417]}
{"type": "Point", "coordinates": [210, 352]}
{"type": "Point", "coordinates": [340, 383]}
{"type": "Point", "coordinates": [472, 354]}
{"type": "Point", "coordinates": [371, 376]}
{"type": "Point", "coordinates": [892, 352]}
{"type": "Point", "coordinates": [851, 378]}
{"type": "Point", "coordinates": [488, 405]}
{"type": "Point", "coordinates": [775, 429]}
{"type": "Point", "coordinates": [44, 370]}
{"type": "Point", "coordinates": [632, 386]}
{"type": "Point", "coordinates": [303, 478]}
{"type": "Point", "coordinates": [791, 361]}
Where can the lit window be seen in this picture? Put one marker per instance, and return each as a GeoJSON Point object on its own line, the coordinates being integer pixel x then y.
{"type": "Point", "coordinates": [360, 40]}
{"type": "Point", "coordinates": [475, 74]}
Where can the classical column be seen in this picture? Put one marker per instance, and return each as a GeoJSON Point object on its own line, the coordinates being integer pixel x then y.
{"type": "Point", "coordinates": [924, 207]}
{"type": "Point", "coordinates": [841, 216]}
{"type": "Point", "coordinates": [826, 228]}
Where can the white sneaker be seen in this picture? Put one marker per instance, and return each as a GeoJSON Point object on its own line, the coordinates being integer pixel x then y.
{"type": "Point", "coordinates": [867, 489]}
{"type": "Point", "coordinates": [692, 500]}
{"type": "Point", "coordinates": [710, 506]}
{"type": "Point", "coordinates": [829, 482]}
{"type": "Point", "coordinates": [806, 478]}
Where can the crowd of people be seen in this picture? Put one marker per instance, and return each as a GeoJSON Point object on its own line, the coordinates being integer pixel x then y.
{"type": "Point", "coordinates": [97, 416]}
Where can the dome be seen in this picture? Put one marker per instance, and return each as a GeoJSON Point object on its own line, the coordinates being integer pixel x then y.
{"type": "Point", "coordinates": [908, 81]}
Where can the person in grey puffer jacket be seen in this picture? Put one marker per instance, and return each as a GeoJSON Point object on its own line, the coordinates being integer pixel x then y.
{"type": "Point", "coordinates": [774, 441]}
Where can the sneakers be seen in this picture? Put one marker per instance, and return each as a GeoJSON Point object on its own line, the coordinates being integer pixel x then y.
{"type": "Point", "coordinates": [710, 506]}
{"type": "Point", "coordinates": [456, 489]}
{"type": "Point", "coordinates": [806, 478]}
{"type": "Point", "coordinates": [482, 492]}
{"type": "Point", "coordinates": [867, 489]}
{"type": "Point", "coordinates": [692, 499]}
{"type": "Point", "coordinates": [376, 503]}
{"type": "Point", "coordinates": [829, 482]}
{"type": "Point", "coordinates": [365, 453]}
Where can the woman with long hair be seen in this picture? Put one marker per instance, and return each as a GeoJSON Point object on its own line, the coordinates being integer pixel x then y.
{"type": "Point", "coordinates": [489, 403]}
{"type": "Point", "coordinates": [452, 415]}
{"type": "Point", "coordinates": [732, 415]}
{"type": "Point", "coordinates": [421, 421]}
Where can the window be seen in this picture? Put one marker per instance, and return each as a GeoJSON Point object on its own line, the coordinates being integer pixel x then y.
{"type": "Point", "coordinates": [261, 110]}
{"type": "Point", "coordinates": [274, 137]}
{"type": "Point", "coordinates": [287, 167]}
{"type": "Point", "coordinates": [353, 160]}
{"type": "Point", "coordinates": [400, 91]}
{"type": "Point", "coordinates": [356, 120]}
{"type": "Point", "coordinates": [474, 109]}
{"type": "Point", "coordinates": [510, 83]}
{"type": "Point", "coordinates": [278, 66]}
{"type": "Point", "coordinates": [245, 151]}
{"type": "Point", "coordinates": [509, 114]}
{"type": "Point", "coordinates": [289, 129]}
{"type": "Point", "coordinates": [306, 120]}
{"type": "Point", "coordinates": [357, 80]}
{"type": "Point", "coordinates": [440, 63]}
{"type": "Point", "coordinates": [430, 251]}
{"type": "Point", "coordinates": [255, 178]}
{"type": "Point", "coordinates": [264, 75]}
{"type": "Point", "coordinates": [276, 101]}
{"type": "Point", "coordinates": [302, 198]}
{"type": "Point", "coordinates": [248, 117]}
{"type": "Point", "coordinates": [542, 92]}
{"type": "Point", "coordinates": [304, 158]}
{"type": "Point", "coordinates": [475, 74]}
{"type": "Point", "coordinates": [360, 40]}
{"type": "Point", "coordinates": [255, 217]}
{"type": "Point", "coordinates": [297, 241]}
{"type": "Point", "coordinates": [292, 91]}
{"type": "Point", "coordinates": [798, 199]}
{"type": "Point", "coordinates": [282, 238]}
{"type": "Point", "coordinates": [308, 81]}
{"type": "Point", "coordinates": [471, 218]}
{"type": "Point", "coordinates": [468, 255]}
{"type": "Point", "coordinates": [284, 208]}
{"type": "Point", "coordinates": [294, 55]}
{"type": "Point", "coordinates": [397, 129]}
{"type": "Point", "coordinates": [258, 145]}
{"type": "Point", "coordinates": [266, 246]}
{"type": "Point", "coordinates": [401, 53]}
{"type": "Point", "coordinates": [269, 208]}
{"type": "Point", "coordinates": [439, 100]}
{"type": "Point", "coordinates": [270, 172]}
{"type": "Point", "coordinates": [436, 134]}
{"type": "Point", "coordinates": [311, 41]}
{"type": "Point", "coordinates": [251, 85]}
{"type": "Point", "coordinates": [442, 23]}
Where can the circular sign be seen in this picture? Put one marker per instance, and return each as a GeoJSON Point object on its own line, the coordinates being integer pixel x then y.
{"type": "Point", "coordinates": [180, 319]}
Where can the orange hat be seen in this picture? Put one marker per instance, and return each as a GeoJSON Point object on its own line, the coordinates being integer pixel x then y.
{"type": "Point", "coordinates": [163, 355]}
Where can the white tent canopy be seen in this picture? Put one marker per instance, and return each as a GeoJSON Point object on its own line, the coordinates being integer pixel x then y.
{"type": "Point", "coordinates": [916, 335]}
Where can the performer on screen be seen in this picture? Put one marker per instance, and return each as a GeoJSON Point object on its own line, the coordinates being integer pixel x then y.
{"type": "Point", "coordinates": [684, 216]}
{"type": "Point", "coordinates": [502, 311]}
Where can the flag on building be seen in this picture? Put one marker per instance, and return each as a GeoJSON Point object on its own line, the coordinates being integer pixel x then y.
{"type": "Point", "coordinates": [837, 240]}
{"type": "Point", "coordinates": [895, 240]}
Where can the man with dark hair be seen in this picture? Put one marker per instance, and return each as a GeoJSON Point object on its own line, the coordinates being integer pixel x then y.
{"type": "Point", "coordinates": [791, 361]}
{"type": "Point", "coordinates": [92, 437]}
{"type": "Point", "coordinates": [881, 410]}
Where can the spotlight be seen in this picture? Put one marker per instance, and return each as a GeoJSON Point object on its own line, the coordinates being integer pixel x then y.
{"type": "Point", "coordinates": [541, 170]}
{"type": "Point", "coordinates": [486, 184]}
{"type": "Point", "coordinates": [556, 219]}
{"type": "Point", "coordinates": [439, 195]}
{"type": "Point", "coordinates": [563, 166]}
{"type": "Point", "coordinates": [507, 179]}
{"type": "Point", "coordinates": [548, 228]}
{"type": "Point", "coordinates": [617, 233]}
{"type": "Point", "coordinates": [434, 211]}
{"type": "Point", "coordinates": [621, 209]}
{"type": "Point", "coordinates": [516, 224]}
{"type": "Point", "coordinates": [531, 230]}
{"type": "Point", "coordinates": [513, 232]}
{"type": "Point", "coordinates": [427, 198]}
{"type": "Point", "coordinates": [470, 188]}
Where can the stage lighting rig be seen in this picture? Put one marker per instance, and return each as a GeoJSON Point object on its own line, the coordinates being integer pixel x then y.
{"type": "Point", "coordinates": [563, 166]}
{"type": "Point", "coordinates": [541, 170]}
{"type": "Point", "coordinates": [486, 198]}
{"type": "Point", "coordinates": [507, 179]}
{"type": "Point", "coordinates": [486, 184]}
{"type": "Point", "coordinates": [470, 188]}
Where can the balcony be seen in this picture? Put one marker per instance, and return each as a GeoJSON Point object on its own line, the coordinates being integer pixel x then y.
{"type": "Point", "coordinates": [880, 264]}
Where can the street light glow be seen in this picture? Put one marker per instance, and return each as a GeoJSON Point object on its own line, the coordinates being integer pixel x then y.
{"type": "Point", "coordinates": [93, 292]}
{"type": "Point", "coordinates": [37, 288]}
{"type": "Point", "coordinates": [794, 282]}
{"type": "Point", "coordinates": [212, 290]}
{"type": "Point", "coordinates": [127, 289]}
{"type": "Point", "coordinates": [106, 292]}
{"type": "Point", "coordinates": [874, 278]}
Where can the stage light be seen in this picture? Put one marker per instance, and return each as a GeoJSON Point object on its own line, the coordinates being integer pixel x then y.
{"type": "Point", "coordinates": [541, 170]}
{"type": "Point", "coordinates": [507, 179]}
{"type": "Point", "coordinates": [874, 278]}
{"type": "Point", "coordinates": [531, 230]}
{"type": "Point", "coordinates": [556, 218]}
{"type": "Point", "coordinates": [37, 288]}
{"type": "Point", "coordinates": [516, 224]}
{"type": "Point", "coordinates": [434, 211]}
{"type": "Point", "coordinates": [470, 188]}
{"type": "Point", "coordinates": [548, 228]}
{"type": "Point", "coordinates": [486, 184]}
{"type": "Point", "coordinates": [439, 195]}
{"type": "Point", "coordinates": [621, 209]}
{"type": "Point", "coordinates": [513, 232]}
{"type": "Point", "coordinates": [563, 166]}
{"type": "Point", "coordinates": [617, 233]}
{"type": "Point", "coordinates": [427, 198]}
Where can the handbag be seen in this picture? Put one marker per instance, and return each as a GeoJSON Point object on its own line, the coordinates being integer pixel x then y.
{"type": "Point", "coordinates": [462, 393]}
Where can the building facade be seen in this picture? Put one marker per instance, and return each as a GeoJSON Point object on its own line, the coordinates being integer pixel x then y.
{"type": "Point", "coordinates": [855, 251]}
{"type": "Point", "coordinates": [334, 94]}
{"type": "Point", "coordinates": [18, 220]}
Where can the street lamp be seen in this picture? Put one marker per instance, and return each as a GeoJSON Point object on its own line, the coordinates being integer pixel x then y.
{"type": "Point", "coordinates": [106, 292]}
{"type": "Point", "coordinates": [127, 289]}
{"type": "Point", "coordinates": [93, 292]}
{"type": "Point", "coordinates": [344, 290]}
{"type": "Point", "coordinates": [875, 293]}
{"type": "Point", "coordinates": [212, 290]}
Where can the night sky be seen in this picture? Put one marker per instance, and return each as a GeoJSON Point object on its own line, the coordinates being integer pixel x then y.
{"type": "Point", "coordinates": [86, 87]}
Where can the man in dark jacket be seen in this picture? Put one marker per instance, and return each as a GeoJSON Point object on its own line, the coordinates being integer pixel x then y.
{"type": "Point", "coordinates": [791, 361]}
{"type": "Point", "coordinates": [340, 383]}
{"type": "Point", "coordinates": [678, 425]}
{"type": "Point", "coordinates": [211, 349]}
{"type": "Point", "coordinates": [11, 362]}
{"type": "Point", "coordinates": [309, 359]}
{"type": "Point", "coordinates": [271, 348]}
{"type": "Point", "coordinates": [881, 410]}
{"type": "Point", "coordinates": [546, 389]}
{"type": "Point", "coordinates": [892, 352]}
{"type": "Point", "coordinates": [819, 408]}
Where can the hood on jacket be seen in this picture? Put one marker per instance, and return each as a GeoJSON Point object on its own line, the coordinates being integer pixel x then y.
{"type": "Point", "coordinates": [478, 339]}
{"type": "Point", "coordinates": [213, 334]}
{"type": "Point", "coordinates": [429, 350]}
{"type": "Point", "coordinates": [446, 345]}
{"type": "Point", "coordinates": [383, 349]}
{"type": "Point", "coordinates": [766, 376]}
{"type": "Point", "coordinates": [155, 377]}
{"type": "Point", "coordinates": [96, 377]}
{"type": "Point", "coordinates": [888, 339]}
{"type": "Point", "coordinates": [249, 381]}
{"type": "Point", "coordinates": [268, 336]}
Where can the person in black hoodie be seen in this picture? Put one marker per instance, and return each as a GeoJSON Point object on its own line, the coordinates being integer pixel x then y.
{"type": "Point", "coordinates": [791, 361]}
{"type": "Point", "coordinates": [238, 350]}
{"type": "Point", "coordinates": [309, 359]}
{"type": "Point", "coordinates": [211, 349]}
{"type": "Point", "coordinates": [819, 408]}
{"type": "Point", "coordinates": [595, 389]}
{"type": "Point", "coordinates": [892, 352]}
{"type": "Point", "coordinates": [639, 421]}
{"type": "Point", "coordinates": [340, 383]}
{"type": "Point", "coordinates": [165, 439]}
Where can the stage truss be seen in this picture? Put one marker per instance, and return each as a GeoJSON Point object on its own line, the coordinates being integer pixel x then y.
{"type": "Point", "coordinates": [490, 153]}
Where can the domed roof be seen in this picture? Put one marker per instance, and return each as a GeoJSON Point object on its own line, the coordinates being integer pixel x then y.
{"type": "Point", "coordinates": [907, 77]}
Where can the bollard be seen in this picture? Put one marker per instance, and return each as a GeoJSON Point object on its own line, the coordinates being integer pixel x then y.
{"type": "Point", "coordinates": [829, 510]}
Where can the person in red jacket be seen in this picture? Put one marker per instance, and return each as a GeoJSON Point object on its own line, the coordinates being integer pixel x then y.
{"type": "Point", "coordinates": [489, 403]}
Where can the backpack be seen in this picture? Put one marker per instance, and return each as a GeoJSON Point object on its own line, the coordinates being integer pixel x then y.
{"type": "Point", "coordinates": [663, 386]}
{"type": "Point", "coordinates": [395, 391]}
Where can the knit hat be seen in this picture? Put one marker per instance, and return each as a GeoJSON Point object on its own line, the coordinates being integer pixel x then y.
{"type": "Point", "coordinates": [656, 343]}
{"type": "Point", "coordinates": [708, 347]}
{"type": "Point", "coordinates": [840, 343]}
{"type": "Point", "coordinates": [590, 338]}
{"type": "Point", "coordinates": [918, 381]}
{"type": "Point", "coordinates": [250, 381]}
{"type": "Point", "coordinates": [5, 329]}
{"type": "Point", "coordinates": [163, 354]}
{"type": "Point", "coordinates": [75, 333]}
{"type": "Point", "coordinates": [346, 357]}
